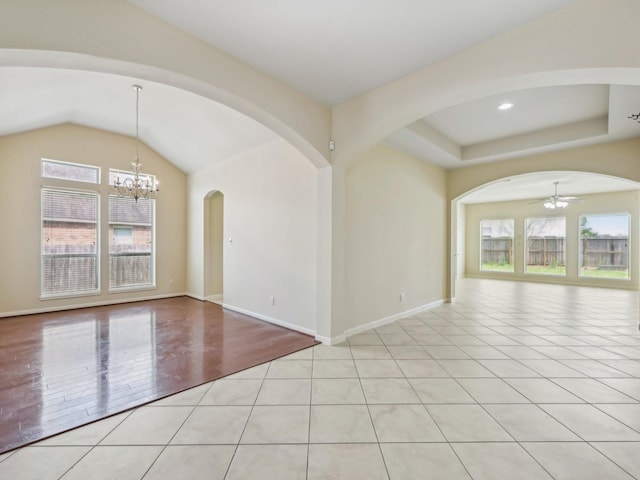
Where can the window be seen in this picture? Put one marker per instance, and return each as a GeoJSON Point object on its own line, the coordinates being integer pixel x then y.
{"type": "Point", "coordinates": [130, 242]}
{"type": "Point", "coordinates": [69, 242]}
{"type": "Point", "coordinates": [497, 245]}
{"type": "Point", "coordinates": [70, 171]}
{"type": "Point", "coordinates": [545, 245]}
{"type": "Point", "coordinates": [71, 224]}
{"type": "Point", "coordinates": [604, 245]}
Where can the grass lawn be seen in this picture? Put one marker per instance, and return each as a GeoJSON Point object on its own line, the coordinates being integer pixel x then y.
{"type": "Point", "coordinates": [547, 270]}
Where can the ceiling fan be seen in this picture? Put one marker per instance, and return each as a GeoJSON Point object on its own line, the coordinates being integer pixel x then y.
{"type": "Point", "coordinates": [555, 200]}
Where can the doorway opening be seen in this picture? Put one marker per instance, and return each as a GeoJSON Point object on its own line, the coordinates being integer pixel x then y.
{"type": "Point", "coordinates": [213, 247]}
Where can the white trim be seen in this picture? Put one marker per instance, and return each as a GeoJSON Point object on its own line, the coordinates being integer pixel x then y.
{"type": "Point", "coordinates": [91, 304]}
{"type": "Point", "coordinates": [332, 341]}
{"type": "Point", "coordinates": [265, 318]}
{"type": "Point", "coordinates": [598, 282]}
{"type": "Point", "coordinates": [196, 297]}
{"type": "Point", "coordinates": [383, 321]}
{"type": "Point", "coordinates": [217, 299]}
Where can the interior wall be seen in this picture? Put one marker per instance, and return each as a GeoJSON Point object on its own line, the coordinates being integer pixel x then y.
{"type": "Point", "coordinates": [396, 231]}
{"type": "Point", "coordinates": [20, 183]}
{"type": "Point", "coordinates": [270, 219]}
{"type": "Point", "coordinates": [616, 159]}
{"type": "Point", "coordinates": [615, 202]}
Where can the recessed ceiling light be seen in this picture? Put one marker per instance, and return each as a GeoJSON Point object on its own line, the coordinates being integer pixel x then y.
{"type": "Point", "coordinates": [505, 106]}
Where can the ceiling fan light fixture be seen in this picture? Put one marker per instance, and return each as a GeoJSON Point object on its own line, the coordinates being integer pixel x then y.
{"type": "Point", "coordinates": [556, 201]}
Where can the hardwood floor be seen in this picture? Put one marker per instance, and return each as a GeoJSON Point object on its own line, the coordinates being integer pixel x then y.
{"type": "Point", "coordinates": [66, 369]}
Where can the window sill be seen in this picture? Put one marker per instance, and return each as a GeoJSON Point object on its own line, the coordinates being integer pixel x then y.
{"type": "Point", "coordinates": [69, 295]}
{"type": "Point", "coordinates": [132, 288]}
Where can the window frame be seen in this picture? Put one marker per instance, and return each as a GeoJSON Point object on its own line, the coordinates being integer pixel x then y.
{"type": "Point", "coordinates": [95, 168]}
{"type": "Point", "coordinates": [152, 257]}
{"type": "Point", "coordinates": [70, 294]}
{"type": "Point", "coordinates": [102, 245]}
{"type": "Point", "coordinates": [526, 247]}
{"type": "Point", "coordinates": [629, 249]}
{"type": "Point", "coordinates": [512, 251]}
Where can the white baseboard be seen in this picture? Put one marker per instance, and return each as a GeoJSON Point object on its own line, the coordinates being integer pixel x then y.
{"type": "Point", "coordinates": [219, 298]}
{"type": "Point", "coordinates": [390, 319]}
{"type": "Point", "coordinates": [333, 340]}
{"type": "Point", "coordinates": [62, 308]}
{"type": "Point", "coordinates": [196, 297]}
{"type": "Point", "coordinates": [275, 321]}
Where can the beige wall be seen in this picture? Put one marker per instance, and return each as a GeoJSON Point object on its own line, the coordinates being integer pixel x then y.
{"type": "Point", "coordinates": [270, 216]}
{"type": "Point", "coordinates": [615, 202]}
{"type": "Point", "coordinates": [20, 183]}
{"type": "Point", "coordinates": [617, 159]}
{"type": "Point", "coordinates": [396, 230]}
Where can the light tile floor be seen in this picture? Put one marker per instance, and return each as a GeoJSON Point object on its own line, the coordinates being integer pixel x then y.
{"type": "Point", "coordinates": [513, 380]}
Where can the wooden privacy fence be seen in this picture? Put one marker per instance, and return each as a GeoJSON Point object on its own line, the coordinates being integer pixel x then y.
{"type": "Point", "coordinates": [605, 252]}
{"type": "Point", "coordinates": [77, 272]}
{"type": "Point", "coordinates": [545, 251]}
{"type": "Point", "coordinates": [498, 250]}
{"type": "Point", "coordinates": [602, 252]}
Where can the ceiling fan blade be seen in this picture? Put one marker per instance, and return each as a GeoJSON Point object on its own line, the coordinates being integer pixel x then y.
{"type": "Point", "coordinates": [568, 199]}
{"type": "Point", "coordinates": [538, 200]}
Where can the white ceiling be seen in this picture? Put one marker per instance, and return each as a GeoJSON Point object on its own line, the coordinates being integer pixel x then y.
{"type": "Point", "coordinates": [334, 50]}
{"type": "Point", "coordinates": [481, 121]}
{"type": "Point", "coordinates": [541, 120]}
{"type": "Point", "coordinates": [189, 130]}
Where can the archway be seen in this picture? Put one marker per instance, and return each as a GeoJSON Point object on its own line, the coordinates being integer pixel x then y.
{"type": "Point", "coordinates": [214, 247]}
{"type": "Point", "coordinates": [516, 193]}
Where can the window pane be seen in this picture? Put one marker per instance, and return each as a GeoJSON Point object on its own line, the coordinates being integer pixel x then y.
{"type": "Point", "coordinates": [545, 245]}
{"type": "Point", "coordinates": [604, 245]}
{"type": "Point", "coordinates": [69, 242]}
{"type": "Point", "coordinates": [131, 260]}
{"type": "Point", "coordinates": [70, 171]}
{"type": "Point", "coordinates": [497, 245]}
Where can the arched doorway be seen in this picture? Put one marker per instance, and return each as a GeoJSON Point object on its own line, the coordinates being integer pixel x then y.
{"type": "Point", "coordinates": [213, 247]}
{"type": "Point", "coordinates": [518, 197]}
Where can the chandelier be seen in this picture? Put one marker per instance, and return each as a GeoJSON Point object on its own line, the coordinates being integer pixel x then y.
{"type": "Point", "coordinates": [135, 184]}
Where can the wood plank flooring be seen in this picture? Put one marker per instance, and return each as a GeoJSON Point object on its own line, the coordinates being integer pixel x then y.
{"type": "Point", "coordinates": [66, 369]}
